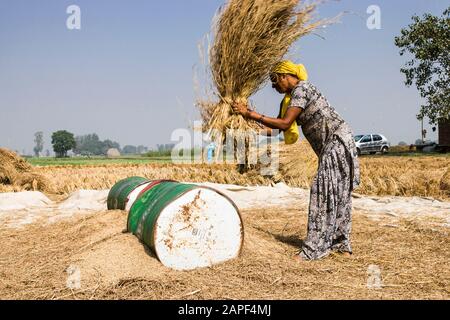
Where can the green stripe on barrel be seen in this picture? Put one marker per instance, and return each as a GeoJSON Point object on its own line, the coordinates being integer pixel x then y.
{"type": "Point", "coordinates": [146, 209]}
{"type": "Point", "coordinates": [118, 195]}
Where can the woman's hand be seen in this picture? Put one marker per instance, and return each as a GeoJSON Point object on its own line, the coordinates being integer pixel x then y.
{"type": "Point", "coordinates": [240, 108]}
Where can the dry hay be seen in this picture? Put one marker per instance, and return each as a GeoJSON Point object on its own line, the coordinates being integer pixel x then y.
{"type": "Point", "coordinates": [412, 258]}
{"type": "Point", "coordinates": [422, 176]}
{"type": "Point", "coordinates": [445, 182]}
{"type": "Point", "coordinates": [71, 178]}
{"type": "Point", "coordinates": [298, 164]}
{"type": "Point", "coordinates": [17, 174]}
{"type": "Point", "coordinates": [250, 38]}
{"type": "Point", "coordinates": [425, 176]}
{"type": "Point", "coordinates": [403, 176]}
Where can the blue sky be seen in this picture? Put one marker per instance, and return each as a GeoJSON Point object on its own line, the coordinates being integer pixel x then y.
{"type": "Point", "coordinates": [127, 75]}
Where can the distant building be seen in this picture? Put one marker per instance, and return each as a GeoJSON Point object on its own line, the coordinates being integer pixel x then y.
{"type": "Point", "coordinates": [113, 153]}
{"type": "Point", "coordinates": [444, 132]}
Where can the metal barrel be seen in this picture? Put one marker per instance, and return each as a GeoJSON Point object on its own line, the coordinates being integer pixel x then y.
{"type": "Point", "coordinates": [145, 211]}
{"type": "Point", "coordinates": [119, 193]}
{"type": "Point", "coordinates": [140, 190]}
{"type": "Point", "coordinates": [187, 226]}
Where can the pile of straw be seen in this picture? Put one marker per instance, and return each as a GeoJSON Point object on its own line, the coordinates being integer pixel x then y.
{"type": "Point", "coordinates": [418, 176]}
{"type": "Point", "coordinates": [250, 38]}
{"type": "Point", "coordinates": [412, 255]}
{"type": "Point", "coordinates": [295, 164]}
{"type": "Point", "coordinates": [445, 182]}
{"type": "Point", "coordinates": [298, 164]}
{"type": "Point", "coordinates": [16, 172]}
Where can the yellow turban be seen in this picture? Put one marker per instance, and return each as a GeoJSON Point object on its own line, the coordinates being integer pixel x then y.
{"type": "Point", "coordinates": [288, 67]}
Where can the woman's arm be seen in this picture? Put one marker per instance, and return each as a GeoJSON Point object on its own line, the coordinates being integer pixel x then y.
{"type": "Point", "coordinates": [273, 123]}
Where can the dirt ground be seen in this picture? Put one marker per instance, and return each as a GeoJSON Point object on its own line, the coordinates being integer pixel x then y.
{"type": "Point", "coordinates": [88, 256]}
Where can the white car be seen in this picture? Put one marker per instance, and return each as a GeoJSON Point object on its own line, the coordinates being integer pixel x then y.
{"type": "Point", "coordinates": [372, 143]}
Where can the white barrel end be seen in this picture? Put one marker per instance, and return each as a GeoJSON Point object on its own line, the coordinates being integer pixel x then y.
{"type": "Point", "coordinates": [199, 229]}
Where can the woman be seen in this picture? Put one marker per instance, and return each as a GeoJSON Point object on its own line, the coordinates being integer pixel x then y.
{"type": "Point", "coordinates": [329, 217]}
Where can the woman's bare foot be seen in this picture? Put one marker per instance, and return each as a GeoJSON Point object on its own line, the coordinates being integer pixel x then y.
{"type": "Point", "coordinates": [345, 254]}
{"type": "Point", "coordinates": [348, 254]}
{"type": "Point", "coordinates": [299, 258]}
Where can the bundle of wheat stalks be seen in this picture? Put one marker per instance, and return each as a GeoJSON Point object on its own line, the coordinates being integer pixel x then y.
{"type": "Point", "coordinates": [18, 173]}
{"type": "Point", "coordinates": [250, 38]}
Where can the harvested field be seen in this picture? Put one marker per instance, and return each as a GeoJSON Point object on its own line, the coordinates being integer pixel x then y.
{"type": "Point", "coordinates": [422, 176]}
{"type": "Point", "coordinates": [400, 250]}
{"type": "Point", "coordinates": [239, 232]}
{"type": "Point", "coordinates": [410, 256]}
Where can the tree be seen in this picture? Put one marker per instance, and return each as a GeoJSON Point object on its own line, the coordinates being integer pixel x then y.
{"type": "Point", "coordinates": [141, 149]}
{"type": "Point", "coordinates": [39, 141]}
{"type": "Point", "coordinates": [129, 149]}
{"type": "Point", "coordinates": [62, 142]}
{"type": "Point", "coordinates": [428, 41]}
{"type": "Point", "coordinates": [91, 144]}
{"type": "Point", "coordinates": [165, 147]}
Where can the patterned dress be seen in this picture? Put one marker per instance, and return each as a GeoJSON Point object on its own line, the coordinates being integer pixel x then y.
{"type": "Point", "coordinates": [329, 217]}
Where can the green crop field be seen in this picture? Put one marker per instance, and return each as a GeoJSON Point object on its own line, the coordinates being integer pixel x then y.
{"type": "Point", "coordinates": [80, 161]}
